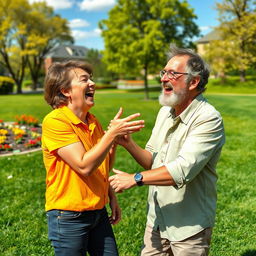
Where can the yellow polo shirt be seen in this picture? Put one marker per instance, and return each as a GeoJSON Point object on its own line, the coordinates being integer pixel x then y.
{"type": "Point", "coordinates": [65, 188]}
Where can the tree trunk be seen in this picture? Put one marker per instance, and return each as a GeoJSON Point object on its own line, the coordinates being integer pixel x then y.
{"type": "Point", "coordinates": [34, 85]}
{"type": "Point", "coordinates": [19, 87]}
{"type": "Point", "coordinates": [242, 76]}
{"type": "Point", "coordinates": [146, 83]}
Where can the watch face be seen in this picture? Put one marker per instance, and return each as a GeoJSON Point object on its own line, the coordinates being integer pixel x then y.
{"type": "Point", "coordinates": [138, 178]}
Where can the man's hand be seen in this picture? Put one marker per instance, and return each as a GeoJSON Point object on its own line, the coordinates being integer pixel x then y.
{"type": "Point", "coordinates": [121, 181]}
{"type": "Point", "coordinates": [123, 140]}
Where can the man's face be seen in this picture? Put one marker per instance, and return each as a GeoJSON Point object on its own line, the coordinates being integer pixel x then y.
{"type": "Point", "coordinates": [175, 90]}
{"type": "Point", "coordinates": [82, 89]}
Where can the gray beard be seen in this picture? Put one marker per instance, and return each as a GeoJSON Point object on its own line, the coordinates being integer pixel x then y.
{"type": "Point", "coordinates": [170, 100]}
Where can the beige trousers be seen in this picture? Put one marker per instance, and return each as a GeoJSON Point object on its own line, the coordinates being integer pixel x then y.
{"type": "Point", "coordinates": [197, 245]}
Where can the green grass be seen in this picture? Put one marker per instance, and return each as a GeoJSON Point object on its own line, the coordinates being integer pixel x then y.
{"type": "Point", "coordinates": [23, 223]}
{"type": "Point", "coordinates": [232, 85]}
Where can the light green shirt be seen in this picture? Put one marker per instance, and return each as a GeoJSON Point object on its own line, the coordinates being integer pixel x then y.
{"type": "Point", "coordinates": [189, 145]}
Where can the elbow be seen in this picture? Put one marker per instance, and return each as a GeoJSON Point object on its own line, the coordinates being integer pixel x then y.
{"type": "Point", "coordinates": [148, 164]}
{"type": "Point", "coordinates": [85, 172]}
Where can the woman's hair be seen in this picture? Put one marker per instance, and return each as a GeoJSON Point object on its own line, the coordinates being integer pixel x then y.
{"type": "Point", "coordinates": [196, 66]}
{"type": "Point", "coordinates": [59, 78]}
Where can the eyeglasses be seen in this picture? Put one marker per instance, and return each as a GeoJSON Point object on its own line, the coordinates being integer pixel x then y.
{"type": "Point", "coordinates": [171, 74]}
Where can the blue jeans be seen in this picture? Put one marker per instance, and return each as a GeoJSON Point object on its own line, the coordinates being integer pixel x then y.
{"type": "Point", "coordinates": [75, 233]}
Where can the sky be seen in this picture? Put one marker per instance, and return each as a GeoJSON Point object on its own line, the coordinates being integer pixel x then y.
{"type": "Point", "coordinates": [84, 16]}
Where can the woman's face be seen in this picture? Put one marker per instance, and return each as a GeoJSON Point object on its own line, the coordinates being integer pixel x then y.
{"type": "Point", "coordinates": [81, 93]}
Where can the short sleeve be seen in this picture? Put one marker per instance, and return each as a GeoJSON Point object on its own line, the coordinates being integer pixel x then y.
{"type": "Point", "coordinates": [57, 133]}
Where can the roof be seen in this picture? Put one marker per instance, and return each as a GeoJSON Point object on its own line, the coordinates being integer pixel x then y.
{"type": "Point", "coordinates": [213, 35]}
{"type": "Point", "coordinates": [68, 51]}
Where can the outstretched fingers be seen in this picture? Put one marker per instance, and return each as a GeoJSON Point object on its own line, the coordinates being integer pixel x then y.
{"type": "Point", "coordinates": [130, 117]}
{"type": "Point", "coordinates": [119, 113]}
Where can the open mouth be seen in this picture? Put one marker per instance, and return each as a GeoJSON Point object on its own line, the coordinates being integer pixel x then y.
{"type": "Point", "coordinates": [168, 89]}
{"type": "Point", "coordinates": [89, 94]}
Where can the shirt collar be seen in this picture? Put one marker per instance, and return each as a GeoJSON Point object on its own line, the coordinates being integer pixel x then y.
{"type": "Point", "coordinates": [190, 110]}
{"type": "Point", "coordinates": [75, 120]}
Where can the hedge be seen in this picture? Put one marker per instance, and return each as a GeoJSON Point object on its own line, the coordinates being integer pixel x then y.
{"type": "Point", "coordinates": [6, 85]}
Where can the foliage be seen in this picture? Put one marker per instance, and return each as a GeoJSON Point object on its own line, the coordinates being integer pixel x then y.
{"type": "Point", "coordinates": [46, 31]}
{"type": "Point", "coordinates": [137, 34]}
{"type": "Point", "coordinates": [100, 72]}
{"type": "Point", "coordinates": [22, 179]}
{"type": "Point", "coordinates": [27, 119]}
{"type": "Point", "coordinates": [20, 136]}
{"type": "Point", "coordinates": [27, 33]}
{"type": "Point", "coordinates": [237, 47]}
{"type": "Point", "coordinates": [6, 85]}
{"type": "Point", "coordinates": [232, 85]}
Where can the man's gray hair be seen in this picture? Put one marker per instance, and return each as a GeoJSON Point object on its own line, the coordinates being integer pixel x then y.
{"type": "Point", "coordinates": [196, 66]}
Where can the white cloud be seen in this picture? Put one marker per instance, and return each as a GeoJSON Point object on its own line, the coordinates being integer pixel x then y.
{"type": "Point", "coordinates": [96, 5]}
{"type": "Point", "coordinates": [78, 34]}
{"type": "Point", "coordinates": [204, 28]}
{"type": "Point", "coordinates": [78, 23]}
{"type": "Point", "coordinates": [56, 4]}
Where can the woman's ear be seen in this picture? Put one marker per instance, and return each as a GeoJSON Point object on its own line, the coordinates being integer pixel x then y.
{"type": "Point", "coordinates": [65, 92]}
{"type": "Point", "coordinates": [194, 83]}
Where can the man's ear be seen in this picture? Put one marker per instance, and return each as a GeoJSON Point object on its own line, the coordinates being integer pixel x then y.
{"type": "Point", "coordinates": [194, 83]}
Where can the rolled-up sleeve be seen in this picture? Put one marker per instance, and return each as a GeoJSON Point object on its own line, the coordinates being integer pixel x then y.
{"type": "Point", "coordinates": [205, 139]}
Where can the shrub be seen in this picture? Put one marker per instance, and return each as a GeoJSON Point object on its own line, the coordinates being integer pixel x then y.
{"type": "Point", "coordinates": [6, 85]}
{"type": "Point", "coordinates": [27, 83]}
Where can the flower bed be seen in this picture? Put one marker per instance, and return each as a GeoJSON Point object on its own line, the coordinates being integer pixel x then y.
{"type": "Point", "coordinates": [21, 136]}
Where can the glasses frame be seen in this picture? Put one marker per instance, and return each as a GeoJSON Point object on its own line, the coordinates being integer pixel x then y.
{"type": "Point", "coordinates": [171, 74]}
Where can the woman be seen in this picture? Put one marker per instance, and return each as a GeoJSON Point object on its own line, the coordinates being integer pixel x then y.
{"type": "Point", "coordinates": [77, 156]}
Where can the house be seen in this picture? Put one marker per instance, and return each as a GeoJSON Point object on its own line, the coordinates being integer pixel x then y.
{"type": "Point", "coordinates": [65, 52]}
{"type": "Point", "coordinates": [205, 40]}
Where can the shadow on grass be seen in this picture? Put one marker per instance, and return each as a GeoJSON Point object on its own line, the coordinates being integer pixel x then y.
{"type": "Point", "coordinates": [249, 253]}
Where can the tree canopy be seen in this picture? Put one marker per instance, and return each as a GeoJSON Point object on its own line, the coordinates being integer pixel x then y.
{"type": "Point", "coordinates": [137, 34]}
{"type": "Point", "coordinates": [237, 48]}
{"type": "Point", "coordinates": [27, 33]}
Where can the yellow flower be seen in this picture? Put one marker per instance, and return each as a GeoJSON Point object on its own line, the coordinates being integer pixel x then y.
{"type": "Point", "coordinates": [17, 131]}
{"type": "Point", "coordinates": [2, 139]}
{"type": "Point", "coordinates": [3, 132]}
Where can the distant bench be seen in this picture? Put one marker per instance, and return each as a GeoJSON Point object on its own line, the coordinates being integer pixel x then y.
{"type": "Point", "coordinates": [130, 84]}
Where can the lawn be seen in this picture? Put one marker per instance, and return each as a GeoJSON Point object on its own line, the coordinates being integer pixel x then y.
{"type": "Point", "coordinates": [22, 178]}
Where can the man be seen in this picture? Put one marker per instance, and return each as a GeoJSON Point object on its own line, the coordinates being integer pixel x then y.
{"type": "Point", "coordinates": [180, 160]}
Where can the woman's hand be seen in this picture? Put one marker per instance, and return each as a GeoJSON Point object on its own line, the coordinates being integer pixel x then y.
{"type": "Point", "coordinates": [115, 209]}
{"type": "Point", "coordinates": [124, 126]}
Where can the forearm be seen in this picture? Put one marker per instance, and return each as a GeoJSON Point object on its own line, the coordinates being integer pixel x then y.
{"type": "Point", "coordinates": [142, 156]}
{"type": "Point", "coordinates": [159, 176]}
{"type": "Point", "coordinates": [93, 158]}
{"type": "Point", "coordinates": [112, 154]}
{"type": "Point", "coordinates": [111, 193]}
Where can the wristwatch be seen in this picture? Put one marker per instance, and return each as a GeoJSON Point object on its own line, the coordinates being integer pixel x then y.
{"type": "Point", "coordinates": [138, 178]}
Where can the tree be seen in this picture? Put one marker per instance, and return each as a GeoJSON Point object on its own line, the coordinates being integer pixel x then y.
{"type": "Point", "coordinates": [221, 58]}
{"type": "Point", "coordinates": [138, 32]}
{"type": "Point", "coordinates": [45, 30]}
{"type": "Point", "coordinates": [100, 71]}
{"type": "Point", "coordinates": [238, 32]}
{"type": "Point", "coordinates": [12, 38]}
{"type": "Point", "coordinates": [27, 33]}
